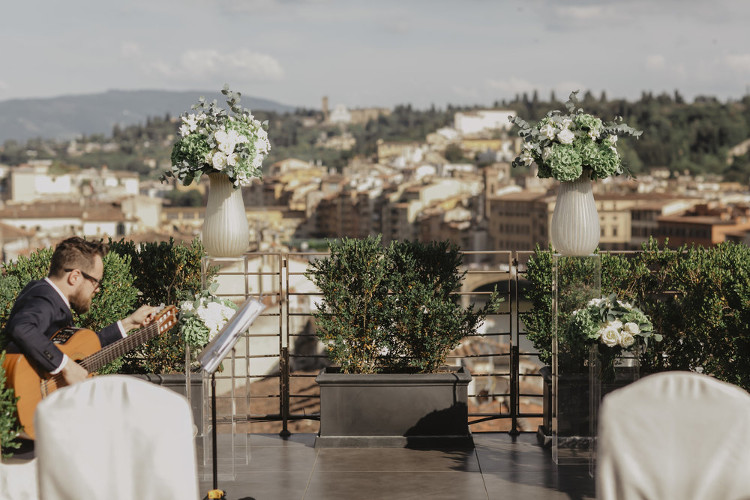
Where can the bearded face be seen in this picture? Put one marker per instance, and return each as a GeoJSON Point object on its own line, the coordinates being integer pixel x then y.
{"type": "Point", "coordinates": [80, 301]}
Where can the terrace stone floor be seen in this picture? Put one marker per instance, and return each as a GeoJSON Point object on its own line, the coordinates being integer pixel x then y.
{"type": "Point", "coordinates": [499, 467]}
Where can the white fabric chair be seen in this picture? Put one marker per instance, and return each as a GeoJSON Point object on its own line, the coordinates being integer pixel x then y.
{"type": "Point", "coordinates": [674, 435]}
{"type": "Point", "coordinates": [115, 437]}
{"type": "Point", "coordinates": [18, 481]}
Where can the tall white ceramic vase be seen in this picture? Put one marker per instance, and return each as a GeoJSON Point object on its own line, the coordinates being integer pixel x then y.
{"type": "Point", "coordinates": [575, 221]}
{"type": "Point", "coordinates": [225, 232]}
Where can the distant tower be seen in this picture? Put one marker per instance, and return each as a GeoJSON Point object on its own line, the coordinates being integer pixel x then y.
{"type": "Point", "coordinates": [325, 108]}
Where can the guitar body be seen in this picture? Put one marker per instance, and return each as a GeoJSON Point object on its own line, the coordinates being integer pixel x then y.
{"type": "Point", "coordinates": [31, 385]}
{"type": "Point", "coordinates": [82, 346]}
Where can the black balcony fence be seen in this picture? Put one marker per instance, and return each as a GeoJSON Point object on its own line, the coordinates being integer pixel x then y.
{"type": "Point", "coordinates": [270, 386]}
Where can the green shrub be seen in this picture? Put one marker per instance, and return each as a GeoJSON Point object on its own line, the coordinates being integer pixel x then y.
{"type": "Point", "coordinates": [113, 302]}
{"type": "Point", "coordinates": [391, 309]}
{"type": "Point", "coordinates": [698, 299]}
{"type": "Point", "coordinates": [427, 320]}
{"type": "Point", "coordinates": [9, 427]}
{"type": "Point", "coordinates": [110, 304]}
{"type": "Point", "coordinates": [152, 273]}
{"type": "Point", "coordinates": [165, 273]}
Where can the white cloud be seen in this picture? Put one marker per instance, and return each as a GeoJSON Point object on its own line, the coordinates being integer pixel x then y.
{"type": "Point", "coordinates": [586, 13]}
{"type": "Point", "coordinates": [203, 64]}
{"type": "Point", "coordinates": [738, 62]}
{"type": "Point", "coordinates": [130, 50]}
{"type": "Point", "coordinates": [511, 85]}
{"type": "Point", "coordinates": [243, 63]}
{"type": "Point", "coordinates": [655, 62]}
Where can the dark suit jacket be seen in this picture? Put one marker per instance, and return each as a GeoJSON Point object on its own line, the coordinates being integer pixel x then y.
{"type": "Point", "coordinates": [37, 314]}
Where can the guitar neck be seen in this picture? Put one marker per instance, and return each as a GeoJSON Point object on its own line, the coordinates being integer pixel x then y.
{"type": "Point", "coordinates": [163, 322]}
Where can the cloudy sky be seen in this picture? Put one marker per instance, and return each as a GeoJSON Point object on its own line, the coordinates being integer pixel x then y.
{"type": "Point", "coordinates": [377, 52]}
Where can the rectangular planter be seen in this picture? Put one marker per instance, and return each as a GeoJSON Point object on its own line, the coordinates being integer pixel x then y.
{"type": "Point", "coordinates": [394, 410]}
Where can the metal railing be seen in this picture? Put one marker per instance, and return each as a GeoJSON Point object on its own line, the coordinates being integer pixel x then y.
{"type": "Point", "coordinates": [270, 385]}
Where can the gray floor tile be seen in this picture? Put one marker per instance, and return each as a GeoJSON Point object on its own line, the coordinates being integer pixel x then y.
{"type": "Point", "coordinates": [395, 459]}
{"type": "Point", "coordinates": [396, 485]}
{"type": "Point", "coordinates": [265, 485]}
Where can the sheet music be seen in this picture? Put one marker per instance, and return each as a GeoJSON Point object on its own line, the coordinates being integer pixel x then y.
{"type": "Point", "coordinates": [216, 350]}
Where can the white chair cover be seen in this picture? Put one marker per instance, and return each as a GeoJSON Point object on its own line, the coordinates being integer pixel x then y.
{"type": "Point", "coordinates": [18, 481]}
{"type": "Point", "coordinates": [115, 437]}
{"type": "Point", "coordinates": [674, 435]}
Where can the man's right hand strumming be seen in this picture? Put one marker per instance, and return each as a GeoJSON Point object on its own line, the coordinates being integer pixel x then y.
{"type": "Point", "coordinates": [72, 372]}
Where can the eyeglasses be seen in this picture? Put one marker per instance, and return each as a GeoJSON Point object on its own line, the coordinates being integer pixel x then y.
{"type": "Point", "coordinates": [97, 283]}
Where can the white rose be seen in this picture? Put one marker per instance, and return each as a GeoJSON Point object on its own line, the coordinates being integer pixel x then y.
{"type": "Point", "coordinates": [566, 136]}
{"type": "Point", "coordinates": [609, 335]}
{"type": "Point", "coordinates": [184, 130]}
{"type": "Point", "coordinates": [219, 160]}
{"type": "Point", "coordinates": [548, 130]}
{"type": "Point", "coordinates": [234, 137]}
{"type": "Point", "coordinates": [232, 159]}
{"type": "Point", "coordinates": [226, 143]}
{"type": "Point", "coordinates": [626, 339]}
{"type": "Point", "coordinates": [261, 146]}
{"type": "Point", "coordinates": [631, 328]}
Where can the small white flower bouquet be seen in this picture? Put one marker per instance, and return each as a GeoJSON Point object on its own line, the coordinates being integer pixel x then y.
{"type": "Point", "coordinates": [212, 140]}
{"type": "Point", "coordinates": [203, 318]}
{"type": "Point", "coordinates": [567, 146]}
{"type": "Point", "coordinates": [613, 323]}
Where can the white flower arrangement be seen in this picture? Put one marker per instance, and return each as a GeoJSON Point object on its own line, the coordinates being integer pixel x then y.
{"type": "Point", "coordinates": [612, 323]}
{"type": "Point", "coordinates": [203, 318]}
{"type": "Point", "coordinates": [212, 140]}
{"type": "Point", "coordinates": [567, 146]}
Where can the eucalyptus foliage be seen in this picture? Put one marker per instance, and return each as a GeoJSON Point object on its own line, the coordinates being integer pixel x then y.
{"type": "Point", "coordinates": [392, 309]}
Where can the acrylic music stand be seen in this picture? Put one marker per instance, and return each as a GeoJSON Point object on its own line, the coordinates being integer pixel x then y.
{"type": "Point", "coordinates": [212, 356]}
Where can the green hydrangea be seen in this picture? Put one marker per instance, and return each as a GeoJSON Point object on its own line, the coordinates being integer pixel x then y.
{"type": "Point", "coordinates": [565, 162]}
{"type": "Point", "coordinates": [588, 122]}
{"type": "Point", "coordinates": [585, 322]}
{"type": "Point", "coordinates": [190, 150]}
{"type": "Point", "coordinates": [606, 163]}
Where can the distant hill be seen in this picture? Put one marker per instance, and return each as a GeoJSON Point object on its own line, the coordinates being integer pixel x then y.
{"type": "Point", "coordinates": [67, 117]}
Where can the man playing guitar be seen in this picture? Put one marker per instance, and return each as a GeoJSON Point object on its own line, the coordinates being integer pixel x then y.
{"type": "Point", "coordinates": [43, 307]}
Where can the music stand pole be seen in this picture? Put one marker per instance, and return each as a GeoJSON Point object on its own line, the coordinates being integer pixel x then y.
{"type": "Point", "coordinates": [213, 431]}
{"type": "Point", "coordinates": [210, 360]}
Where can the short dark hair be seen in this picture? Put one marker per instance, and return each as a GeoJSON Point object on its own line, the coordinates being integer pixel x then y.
{"type": "Point", "coordinates": [75, 253]}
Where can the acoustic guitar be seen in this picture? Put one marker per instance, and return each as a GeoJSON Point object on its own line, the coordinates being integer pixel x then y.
{"type": "Point", "coordinates": [81, 345]}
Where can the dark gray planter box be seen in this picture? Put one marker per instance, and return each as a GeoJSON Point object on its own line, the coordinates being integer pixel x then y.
{"type": "Point", "coordinates": [176, 383]}
{"type": "Point", "coordinates": [394, 410]}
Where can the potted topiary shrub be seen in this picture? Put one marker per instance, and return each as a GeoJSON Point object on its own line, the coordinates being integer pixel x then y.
{"type": "Point", "coordinates": [388, 318]}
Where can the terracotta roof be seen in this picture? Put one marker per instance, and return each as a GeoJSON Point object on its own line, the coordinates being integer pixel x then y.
{"type": "Point", "coordinates": [9, 232]}
{"type": "Point", "coordinates": [41, 210]}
